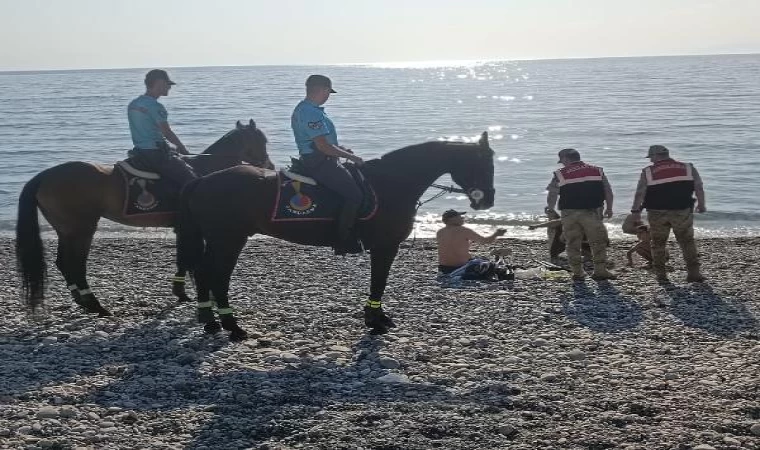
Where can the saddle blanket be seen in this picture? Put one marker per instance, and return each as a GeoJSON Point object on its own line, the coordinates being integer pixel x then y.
{"type": "Point", "coordinates": [300, 201]}
{"type": "Point", "coordinates": [146, 193]}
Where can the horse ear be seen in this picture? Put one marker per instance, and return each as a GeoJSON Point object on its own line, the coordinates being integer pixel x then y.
{"type": "Point", "coordinates": [484, 139]}
{"type": "Point", "coordinates": [238, 125]}
{"type": "Point", "coordinates": [252, 124]}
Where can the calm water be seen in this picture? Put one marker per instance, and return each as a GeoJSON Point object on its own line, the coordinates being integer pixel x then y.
{"type": "Point", "coordinates": [706, 109]}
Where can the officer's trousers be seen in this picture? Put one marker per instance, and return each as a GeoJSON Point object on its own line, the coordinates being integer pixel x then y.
{"type": "Point", "coordinates": [576, 223]}
{"type": "Point", "coordinates": [682, 223]}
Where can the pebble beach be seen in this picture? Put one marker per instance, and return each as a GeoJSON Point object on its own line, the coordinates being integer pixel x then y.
{"type": "Point", "coordinates": [523, 364]}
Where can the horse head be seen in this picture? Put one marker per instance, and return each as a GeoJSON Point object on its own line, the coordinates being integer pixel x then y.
{"type": "Point", "coordinates": [254, 145]}
{"type": "Point", "coordinates": [244, 143]}
{"type": "Point", "coordinates": [473, 172]}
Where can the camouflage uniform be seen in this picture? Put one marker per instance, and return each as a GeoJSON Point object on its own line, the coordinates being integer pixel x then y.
{"type": "Point", "coordinates": [665, 190]}
{"type": "Point", "coordinates": [682, 223]}
{"type": "Point", "coordinates": [582, 191]}
{"type": "Point", "coordinates": [579, 222]}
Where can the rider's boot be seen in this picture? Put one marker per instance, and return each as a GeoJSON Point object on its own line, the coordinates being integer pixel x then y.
{"type": "Point", "coordinates": [347, 241]}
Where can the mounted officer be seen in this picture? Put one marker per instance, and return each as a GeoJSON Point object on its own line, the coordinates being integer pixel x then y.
{"type": "Point", "coordinates": [150, 130]}
{"type": "Point", "coordinates": [317, 141]}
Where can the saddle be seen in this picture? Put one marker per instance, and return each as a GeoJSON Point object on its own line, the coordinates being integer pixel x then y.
{"type": "Point", "coordinates": [302, 198]}
{"type": "Point", "coordinates": [145, 192]}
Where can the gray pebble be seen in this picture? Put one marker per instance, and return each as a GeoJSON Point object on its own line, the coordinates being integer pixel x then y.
{"type": "Point", "coordinates": [47, 412]}
{"type": "Point", "coordinates": [507, 430]}
{"type": "Point", "coordinates": [731, 441]}
{"type": "Point", "coordinates": [549, 377]}
{"type": "Point", "coordinates": [388, 362]}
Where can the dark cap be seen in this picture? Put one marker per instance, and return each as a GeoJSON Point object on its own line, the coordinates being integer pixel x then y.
{"type": "Point", "coordinates": [155, 75]}
{"type": "Point", "coordinates": [658, 150]}
{"type": "Point", "coordinates": [452, 213]}
{"type": "Point", "coordinates": [569, 153]}
{"type": "Point", "coordinates": [319, 81]}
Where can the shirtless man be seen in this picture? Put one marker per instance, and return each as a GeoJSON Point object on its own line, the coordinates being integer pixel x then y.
{"type": "Point", "coordinates": [454, 241]}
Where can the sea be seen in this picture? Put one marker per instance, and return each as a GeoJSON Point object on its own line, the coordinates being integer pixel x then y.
{"type": "Point", "coordinates": [705, 109]}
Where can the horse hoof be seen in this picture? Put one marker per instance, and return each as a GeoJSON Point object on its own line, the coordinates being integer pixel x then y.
{"type": "Point", "coordinates": [378, 331]}
{"type": "Point", "coordinates": [212, 327]}
{"type": "Point", "coordinates": [388, 322]}
{"type": "Point", "coordinates": [181, 295]}
{"type": "Point", "coordinates": [104, 313]}
{"type": "Point", "coordinates": [376, 318]}
{"type": "Point", "coordinates": [238, 335]}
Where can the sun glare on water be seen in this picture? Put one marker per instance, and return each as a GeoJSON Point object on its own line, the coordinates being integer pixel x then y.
{"type": "Point", "coordinates": [424, 64]}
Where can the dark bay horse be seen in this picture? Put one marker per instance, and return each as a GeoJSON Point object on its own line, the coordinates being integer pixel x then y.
{"type": "Point", "coordinates": [74, 196]}
{"type": "Point", "coordinates": [213, 226]}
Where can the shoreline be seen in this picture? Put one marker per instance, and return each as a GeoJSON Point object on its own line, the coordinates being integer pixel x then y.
{"type": "Point", "coordinates": [525, 364]}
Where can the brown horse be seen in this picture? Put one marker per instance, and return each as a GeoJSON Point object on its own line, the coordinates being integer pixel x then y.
{"type": "Point", "coordinates": [74, 196]}
{"type": "Point", "coordinates": [213, 226]}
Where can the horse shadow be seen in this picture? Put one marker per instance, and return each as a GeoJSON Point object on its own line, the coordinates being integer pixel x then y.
{"type": "Point", "coordinates": [699, 306]}
{"type": "Point", "coordinates": [605, 309]}
{"type": "Point", "coordinates": [294, 404]}
{"type": "Point", "coordinates": [29, 364]}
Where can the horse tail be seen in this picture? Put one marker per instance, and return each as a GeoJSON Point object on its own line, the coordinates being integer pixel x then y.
{"type": "Point", "coordinates": [190, 245]}
{"type": "Point", "coordinates": [30, 258]}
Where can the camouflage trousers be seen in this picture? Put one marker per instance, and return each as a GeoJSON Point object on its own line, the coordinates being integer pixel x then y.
{"type": "Point", "coordinates": [682, 223]}
{"type": "Point", "coordinates": [579, 222]}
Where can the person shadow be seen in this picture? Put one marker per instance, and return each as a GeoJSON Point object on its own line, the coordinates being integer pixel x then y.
{"type": "Point", "coordinates": [605, 309]}
{"type": "Point", "coordinates": [699, 306]}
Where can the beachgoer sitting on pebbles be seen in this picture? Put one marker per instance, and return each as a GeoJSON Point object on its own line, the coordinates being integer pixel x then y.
{"type": "Point", "coordinates": [454, 248]}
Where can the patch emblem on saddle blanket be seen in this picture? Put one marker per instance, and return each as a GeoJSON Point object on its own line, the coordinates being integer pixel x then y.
{"type": "Point", "coordinates": [148, 196]}
{"type": "Point", "coordinates": [298, 201]}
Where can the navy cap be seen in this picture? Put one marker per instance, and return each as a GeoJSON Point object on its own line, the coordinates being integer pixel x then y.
{"type": "Point", "coordinates": [320, 81]}
{"type": "Point", "coordinates": [155, 75]}
{"type": "Point", "coordinates": [452, 213]}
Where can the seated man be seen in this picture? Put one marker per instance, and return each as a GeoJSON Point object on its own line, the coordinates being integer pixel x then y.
{"type": "Point", "coordinates": [454, 247]}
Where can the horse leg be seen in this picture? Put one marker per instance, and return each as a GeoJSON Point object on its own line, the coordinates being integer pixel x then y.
{"type": "Point", "coordinates": [178, 285]}
{"type": "Point", "coordinates": [60, 262]}
{"type": "Point", "coordinates": [205, 297]}
{"type": "Point", "coordinates": [73, 250]}
{"type": "Point", "coordinates": [224, 255]}
{"type": "Point", "coordinates": [374, 316]}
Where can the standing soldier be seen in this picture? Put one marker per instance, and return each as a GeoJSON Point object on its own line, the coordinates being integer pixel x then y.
{"type": "Point", "coordinates": [665, 189]}
{"type": "Point", "coordinates": [582, 189]}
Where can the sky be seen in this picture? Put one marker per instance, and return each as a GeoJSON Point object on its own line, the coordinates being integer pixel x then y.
{"type": "Point", "coordinates": [89, 34]}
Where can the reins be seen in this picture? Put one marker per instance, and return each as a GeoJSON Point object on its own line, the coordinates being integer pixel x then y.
{"type": "Point", "coordinates": [443, 191]}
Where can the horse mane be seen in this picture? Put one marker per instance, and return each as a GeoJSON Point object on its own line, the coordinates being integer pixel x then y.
{"type": "Point", "coordinates": [223, 141]}
{"type": "Point", "coordinates": [232, 136]}
{"type": "Point", "coordinates": [414, 149]}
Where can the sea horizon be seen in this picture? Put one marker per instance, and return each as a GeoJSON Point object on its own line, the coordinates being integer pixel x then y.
{"type": "Point", "coordinates": [422, 63]}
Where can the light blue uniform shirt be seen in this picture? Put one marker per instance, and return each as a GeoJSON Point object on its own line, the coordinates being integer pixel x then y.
{"type": "Point", "coordinates": [309, 121]}
{"type": "Point", "coordinates": [145, 114]}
